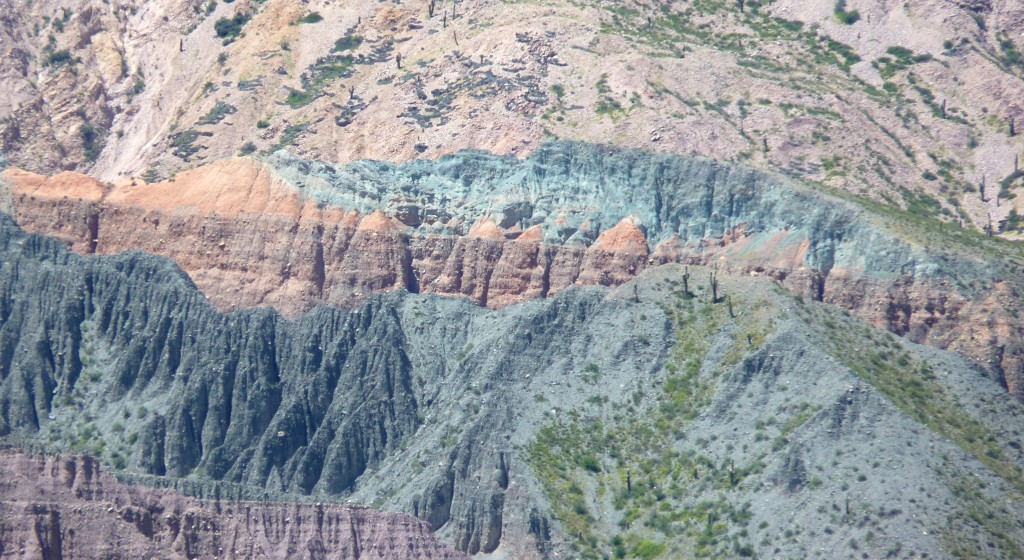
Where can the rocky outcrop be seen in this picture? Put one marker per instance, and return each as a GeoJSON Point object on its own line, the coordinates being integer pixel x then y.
{"type": "Point", "coordinates": [66, 507]}
{"type": "Point", "coordinates": [393, 403]}
{"type": "Point", "coordinates": [497, 231]}
{"type": "Point", "coordinates": [248, 238]}
{"type": "Point", "coordinates": [437, 407]}
{"type": "Point", "coordinates": [618, 255]}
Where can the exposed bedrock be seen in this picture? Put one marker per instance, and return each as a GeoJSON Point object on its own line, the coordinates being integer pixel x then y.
{"type": "Point", "coordinates": [292, 233]}
{"type": "Point", "coordinates": [66, 507]}
{"type": "Point", "coordinates": [391, 403]}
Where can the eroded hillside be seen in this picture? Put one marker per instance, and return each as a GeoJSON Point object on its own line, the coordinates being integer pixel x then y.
{"type": "Point", "coordinates": [686, 413]}
{"type": "Point", "coordinates": [560, 279]}
{"type": "Point", "coordinates": [910, 103]}
{"type": "Point", "coordinates": [290, 233]}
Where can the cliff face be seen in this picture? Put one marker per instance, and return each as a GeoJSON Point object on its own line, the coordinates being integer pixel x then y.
{"type": "Point", "coordinates": [394, 403]}
{"type": "Point", "coordinates": [514, 431]}
{"type": "Point", "coordinates": [66, 507]}
{"type": "Point", "coordinates": [291, 234]}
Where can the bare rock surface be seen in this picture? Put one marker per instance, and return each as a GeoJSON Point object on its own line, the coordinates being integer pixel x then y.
{"type": "Point", "coordinates": [57, 507]}
{"type": "Point", "coordinates": [291, 233]}
{"type": "Point", "coordinates": [906, 102]}
{"type": "Point", "coordinates": [597, 420]}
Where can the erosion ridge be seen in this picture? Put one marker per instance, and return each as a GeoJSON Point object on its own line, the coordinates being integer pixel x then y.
{"type": "Point", "coordinates": [545, 279]}
{"type": "Point", "coordinates": [292, 233]}
{"type": "Point", "coordinates": [68, 507]}
{"type": "Point", "coordinates": [596, 420]}
{"type": "Point", "coordinates": [394, 403]}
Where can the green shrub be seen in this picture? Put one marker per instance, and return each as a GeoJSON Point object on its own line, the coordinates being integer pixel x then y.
{"type": "Point", "coordinates": [229, 28]}
{"type": "Point", "coordinates": [298, 98]}
{"type": "Point", "coordinates": [311, 17]}
{"type": "Point", "coordinates": [1010, 55]}
{"type": "Point", "coordinates": [288, 136]}
{"type": "Point", "coordinates": [217, 113]}
{"type": "Point", "coordinates": [184, 144]}
{"type": "Point", "coordinates": [324, 71]}
{"type": "Point", "coordinates": [590, 463]}
{"type": "Point", "coordinates": [1014, 221]}
{"type": "Point", "coordinates": [91, 141]}
{"type": "Point", "coordinates": [348, 43]}
{"type": "Point", "coordinates": [846, 17]}
{"type": "Point", "coordinates": [119, 461]}
{"type": "Point", "coordinates": [58, 58]}
{"type": "Point", "coordinates": [647, 550]}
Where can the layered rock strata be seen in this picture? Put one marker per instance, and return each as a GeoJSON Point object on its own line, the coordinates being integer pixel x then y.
{"type": "Point", "coordinates": [66, 507]}
{"type": "Point", "coordinates": [392, 403]}
{"type": "Point", "coordinates": [247, 239]}
{"type": "Point", "coordinates": [292, 234]}
{"type": "Point", "coordinates": [445, 410]}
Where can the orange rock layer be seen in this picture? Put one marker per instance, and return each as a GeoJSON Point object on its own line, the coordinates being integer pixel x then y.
{"type": "Point", "coordinates": [248, 239]}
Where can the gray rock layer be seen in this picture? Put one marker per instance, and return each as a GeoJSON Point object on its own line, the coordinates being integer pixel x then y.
{"type": "Point", "coordinates": [435, 407]}
{"type": "Point", "coordinates": [122, 357]}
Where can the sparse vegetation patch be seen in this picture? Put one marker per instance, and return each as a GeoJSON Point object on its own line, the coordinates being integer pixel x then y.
{"type": "Point", "coordinates": [217, 113]}
{"type": "Point", "coordinates": [230, 28]}
{"type": "Point", "coordinates": [311, 17]}
{"type": "Point", "coordinates": [637, 462]}
{"type": "Point", "coordinates": [849, 17]}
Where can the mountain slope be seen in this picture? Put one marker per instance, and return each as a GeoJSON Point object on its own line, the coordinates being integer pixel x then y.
{"type": "Point", "coordinates": [648, 419]}
{"type": "Point", "coordinates": [560, 279]}
{"type": "Point", "coordinates": [291, 233]}
{"type": "Point", "coordinates": [909, 102]}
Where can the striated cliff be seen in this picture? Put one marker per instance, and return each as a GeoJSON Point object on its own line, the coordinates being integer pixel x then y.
{"type": "Point", "coordinates": [595, 420]}
{"type": "Point", "coordinates": [511, 280]}
{"type": "Point", "coordinates": [393, 403]}
{"type": "Point", "coordinates": [291, 234]}
{"type": "Point", "coordinates": [67, 507]}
